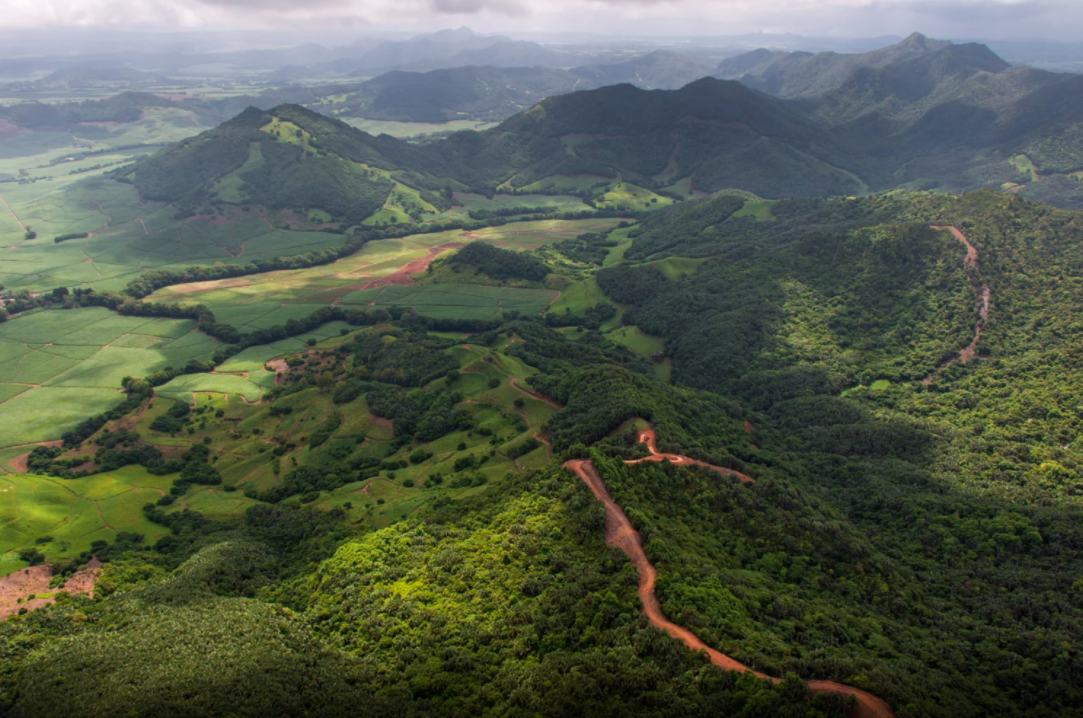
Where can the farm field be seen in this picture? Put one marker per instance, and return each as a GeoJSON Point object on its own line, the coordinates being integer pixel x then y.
{"type": "Point", "coordinates": [75, 512]}
{"type": "Point", "coordinates": [58, 367]}
{"type": "Point", "coordinates": [456, 301]}
{"type": "Point", "coordinates": [128, 236]}
{"type": "Point", "coordinates": [329, 283]}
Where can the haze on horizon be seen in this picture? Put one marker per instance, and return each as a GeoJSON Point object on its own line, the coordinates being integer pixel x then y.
{"type": "Point", "coordinates": [954, 19]}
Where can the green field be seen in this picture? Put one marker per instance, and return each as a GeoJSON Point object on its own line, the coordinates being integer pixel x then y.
{"type": "Point", "coordinates": [59, 367]}
{"type": "Point", "coordinates": [414, 129]}
{"type": "Point", "coordinates": [128, 236]}
{"type": "Point", "coordinates": [624, 194]}
{"type": "Point", "coordinates": [456, 301]}
{"type": "Point", "coordinates": [75, 512]}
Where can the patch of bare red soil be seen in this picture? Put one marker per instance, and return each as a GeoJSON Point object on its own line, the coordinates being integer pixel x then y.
{"type": "Point", "coordinates": [280, 368]}
{"type": "Point", "coordinates": [35, 581]}
{"type": "Point", "coordinates": [619, 533]}
{"type": "Point", "coordinates": [401, 276]}
{"type": "Point", "coordinates": [981, 303]}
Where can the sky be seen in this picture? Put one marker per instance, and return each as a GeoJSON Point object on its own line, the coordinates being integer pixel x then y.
{"type": "Point", "coordinates": [971, 19]}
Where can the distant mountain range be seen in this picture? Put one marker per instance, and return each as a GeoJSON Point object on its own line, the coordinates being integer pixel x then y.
{"type": "Point", "coordinates": [921, 114]}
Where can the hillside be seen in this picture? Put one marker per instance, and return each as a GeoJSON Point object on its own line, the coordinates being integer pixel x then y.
{"type": "Point", "coordinates": [439, 460]}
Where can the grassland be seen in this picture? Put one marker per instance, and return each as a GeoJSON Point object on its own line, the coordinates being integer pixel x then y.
{"type": "Point", "coordinates": [58, 367]}
{"type": "Point", "coordinates": [757, 209]}
{"type": "Point", "coordinates": [241, 440]}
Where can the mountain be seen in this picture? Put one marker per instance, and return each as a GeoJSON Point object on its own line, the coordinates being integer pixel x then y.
{"type": "Point", "coordinates": [518, 53]}
{"type": "Point", "coordinates": [920, 114]}
{"type": "Point", "coordinates": [83, 77]}
{"type": "Point", "coordinates": [479, 93]}
{"type": "Point", "coordinates": [930, 113]}
{"type": "Point", "coordinates": [659, 70]}
{"type": "Point", "coordinates": [125, 107]}
{"type": "Point", "coordinates": [709, 135]}
{"type": "Point", "coordinates": [425, 48]}
{"type": "Point", "coordinates": [803, 74]}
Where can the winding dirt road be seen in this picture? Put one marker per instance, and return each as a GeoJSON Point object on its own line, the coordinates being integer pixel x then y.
{"type": "Point", "coordinates": [619, 533]}
{"type": "Point", "coordinates": [981, 302]}
{"type": "Point", "coordinates": [646, 436]}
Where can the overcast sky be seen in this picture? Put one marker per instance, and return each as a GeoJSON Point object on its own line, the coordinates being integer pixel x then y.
{"type": "Point", "coordinates": [984, 19]}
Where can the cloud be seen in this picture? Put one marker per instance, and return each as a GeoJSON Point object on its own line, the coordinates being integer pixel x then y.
{"type": "Point", "coordinates": [273, 5]}
{"type": "Point", "coordinates": [511, 8]}
{"type": "Point", "coordinates": [854, 18]}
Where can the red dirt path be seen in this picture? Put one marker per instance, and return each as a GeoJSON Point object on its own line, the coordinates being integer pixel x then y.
{"type": "Point", "coordinates": [619, 533]}
{"type": "Point", "coordinates": [647, 436]}
{"type": "Point", "coordinates": [982, 295]}
{"type": "Point", "coordinates": [535, 395]}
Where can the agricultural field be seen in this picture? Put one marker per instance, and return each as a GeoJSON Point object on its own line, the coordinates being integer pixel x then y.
{"type": "Point", "coordinates": [331, 283]}
{"type": "Point", "coordinates": [455, 301]}
{"type": "Point", "coordinates": [58, 367]}
{"type": "Point", "coordinates": [72, 513]}
{"type": "Point", "coordinates": [127, 236]}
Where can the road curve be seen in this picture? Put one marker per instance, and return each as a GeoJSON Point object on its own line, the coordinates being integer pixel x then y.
{"type": "Point", "coordinates": [620, 533]}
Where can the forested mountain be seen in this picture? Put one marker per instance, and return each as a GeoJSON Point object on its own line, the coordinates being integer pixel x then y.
{"type": "Point", "coordinates": [658, 70]}
{"type": "Point", "coordinates": [720, 133]}
{"type": "Point", "coordinates": [478, 92]}
{"type": "Point", "coordinates": [804, 74]}
{"type": "Point", "coordinates": [932, 113]}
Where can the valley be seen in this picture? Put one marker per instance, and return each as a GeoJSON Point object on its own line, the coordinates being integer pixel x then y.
{"type": "Point", "coordinates": [647, 383]}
